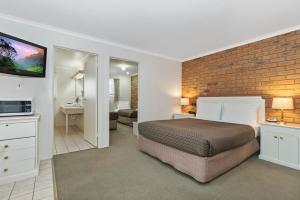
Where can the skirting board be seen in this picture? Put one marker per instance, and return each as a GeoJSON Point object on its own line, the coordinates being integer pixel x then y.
{"type": "Point", "coordinates": [279, 162]}
{"type": "Point", "coordinates": [18, 177]}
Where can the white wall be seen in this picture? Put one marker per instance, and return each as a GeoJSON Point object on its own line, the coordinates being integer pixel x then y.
{"type": "Point", "coordinates": [159, 81]}
{"type": "Point", "coordinates": [124, 90]}
{"type": "Point", "coordinates": [125, 87]}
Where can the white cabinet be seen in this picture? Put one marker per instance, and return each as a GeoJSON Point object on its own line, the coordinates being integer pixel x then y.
{"type": "Point", "coordinates": [288, 149]}
{"type": "Point", "coordinates": [269, 144]}
{"type": "Point", "coordinates": [18, 148]}
{"type": "Point", "coordinates": [280, 144]}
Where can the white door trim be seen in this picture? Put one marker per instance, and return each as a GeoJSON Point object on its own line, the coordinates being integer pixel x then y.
{"type": "Point", "coordinates": [98, 106]}
{"type": "Point", "coordinates": [104, 94]}
{"type": "Point", "coordinates": [103, 102]}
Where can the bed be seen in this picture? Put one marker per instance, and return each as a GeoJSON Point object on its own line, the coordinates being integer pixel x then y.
{"type": "Point", "coordinates": [127, 116]}
{"type": "Point", "coordinates": [223, 134]}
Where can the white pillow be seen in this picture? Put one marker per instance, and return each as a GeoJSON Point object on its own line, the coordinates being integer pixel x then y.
{"type": "Point", "coordinates": [209, 111]}
{"type": "Point", "coordinates": [240, 113]}
{"type": "Point", "coordinates": [123, 105]}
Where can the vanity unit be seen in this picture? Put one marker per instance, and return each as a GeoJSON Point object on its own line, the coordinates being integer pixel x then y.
{"type": "Point", "coordinates": [71, 110]}
{"type": "Point", "coordinates": [18, 148]}
{"type": "Point", "coordinates": [280, 144]}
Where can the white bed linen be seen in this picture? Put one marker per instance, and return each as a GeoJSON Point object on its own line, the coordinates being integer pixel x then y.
{"type": "Point", "coordinates": [209, 111]}
{"type": "Point", "coordinates": [244, 107]}
{"type": "Point", "coordinates": [240, 113]}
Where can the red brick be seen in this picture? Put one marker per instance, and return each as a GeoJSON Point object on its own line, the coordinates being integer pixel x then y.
{"type": "Point", "coordinates": [269, 68]}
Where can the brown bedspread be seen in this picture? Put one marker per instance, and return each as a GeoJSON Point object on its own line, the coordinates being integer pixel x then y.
{"type": "Point", "coordinates": [196, 136]}
{"type": "Point", "coordinates": [128, 113]}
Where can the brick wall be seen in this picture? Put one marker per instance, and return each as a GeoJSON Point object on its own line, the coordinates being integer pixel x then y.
{"type": "Point", "coordinates": [134, 92]}
{"type": "Point", "coordinates": [269, 68]}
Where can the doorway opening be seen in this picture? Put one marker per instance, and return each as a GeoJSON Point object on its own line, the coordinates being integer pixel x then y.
{"type": "Point", "coordinates": [123, 97]}
{"type": "Point", "coordinates": [75, 100]}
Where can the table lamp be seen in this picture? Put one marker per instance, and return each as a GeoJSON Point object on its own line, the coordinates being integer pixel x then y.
{"type": "Point", "coordinates": [282, 103]}
{"type": "Point", "coordinates": [184, 101]}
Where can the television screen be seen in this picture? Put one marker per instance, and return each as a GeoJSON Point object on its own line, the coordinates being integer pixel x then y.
{"type": "Point", "coordinates": [20, 57]}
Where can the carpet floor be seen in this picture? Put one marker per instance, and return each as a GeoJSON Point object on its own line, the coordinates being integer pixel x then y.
{"type": "Point", "coordinates": [123, 173]}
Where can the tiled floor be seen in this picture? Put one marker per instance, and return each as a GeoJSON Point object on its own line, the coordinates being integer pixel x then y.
{"type": "Point", "coordinates": [37, 188]}
{"type": "Point", "coordinates": [73, 141]}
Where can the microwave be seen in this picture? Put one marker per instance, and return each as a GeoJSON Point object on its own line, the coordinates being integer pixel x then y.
{"type": "Point", "coordinates": [16, 107]}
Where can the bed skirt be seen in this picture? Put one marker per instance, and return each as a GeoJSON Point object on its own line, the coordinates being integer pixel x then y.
{"type": "Point", "coordinates": [203, 169]}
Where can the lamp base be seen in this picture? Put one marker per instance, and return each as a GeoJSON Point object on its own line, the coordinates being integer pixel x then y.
{"type": "Point", "coordinates": [282, 117]}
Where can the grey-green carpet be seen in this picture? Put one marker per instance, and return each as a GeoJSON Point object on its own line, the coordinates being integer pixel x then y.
{"type": "Point", "coordinates": [123, 173]}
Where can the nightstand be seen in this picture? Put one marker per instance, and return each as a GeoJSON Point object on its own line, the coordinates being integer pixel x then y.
{"type": "Point", "coordinates": [183, 115]}
{"type": "Point", "coordinates": [280, 144]}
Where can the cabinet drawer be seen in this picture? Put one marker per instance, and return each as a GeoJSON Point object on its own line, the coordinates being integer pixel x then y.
{"type": "Point", "coordinates": [12, 168]}
{"type": "Point", "coordinates": [23, 143]}
{"type": "Point", "coordinates": [16, 130]}
{"type": "Point", "coordinates": [17, 155]}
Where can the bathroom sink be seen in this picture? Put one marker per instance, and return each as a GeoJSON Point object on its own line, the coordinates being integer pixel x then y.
{"type": "Point", "coordinates": [72, 109]}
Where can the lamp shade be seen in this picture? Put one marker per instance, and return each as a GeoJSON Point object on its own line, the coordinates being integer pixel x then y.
{"type": "Point", "coordinates": [283, 103]}
{"type": "Point", "coordinates": [184, 101]}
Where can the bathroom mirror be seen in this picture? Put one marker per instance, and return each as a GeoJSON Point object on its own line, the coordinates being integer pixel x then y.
{"type": "Point", "coordinates": [79, 84]}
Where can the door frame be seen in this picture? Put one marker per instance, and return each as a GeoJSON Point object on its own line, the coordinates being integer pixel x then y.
{"type": "Point", "coordinates": [97, 99]}
{"type": "Point", "coordinates": [107, 88]}
{"type": "Point", "coordinates": [52, 91]}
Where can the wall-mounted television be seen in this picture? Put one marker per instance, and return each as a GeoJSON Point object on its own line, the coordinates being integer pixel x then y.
{"type": "Point", "coordinates": [20, 57]}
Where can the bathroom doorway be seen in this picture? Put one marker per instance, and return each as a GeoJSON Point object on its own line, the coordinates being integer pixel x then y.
{"type": "Point", "coordinates": [75, 100]}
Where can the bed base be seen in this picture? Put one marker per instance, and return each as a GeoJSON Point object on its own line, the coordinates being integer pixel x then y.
{"type": "Point", "coordinates": [203, 169]}
{"type": "Point", "coordinates": [126, 120]}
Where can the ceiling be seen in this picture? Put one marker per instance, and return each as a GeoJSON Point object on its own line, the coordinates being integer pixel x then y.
{"type": "Point", "coordinates": [70, 58]}
{"type": "Point", "coordinates": [120, 67]}
{"type": "Point", "coordinates": [179, 29]}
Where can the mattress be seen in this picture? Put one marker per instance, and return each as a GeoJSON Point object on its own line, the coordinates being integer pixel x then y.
{"type": "Point", "coordinates": [200, 137]}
